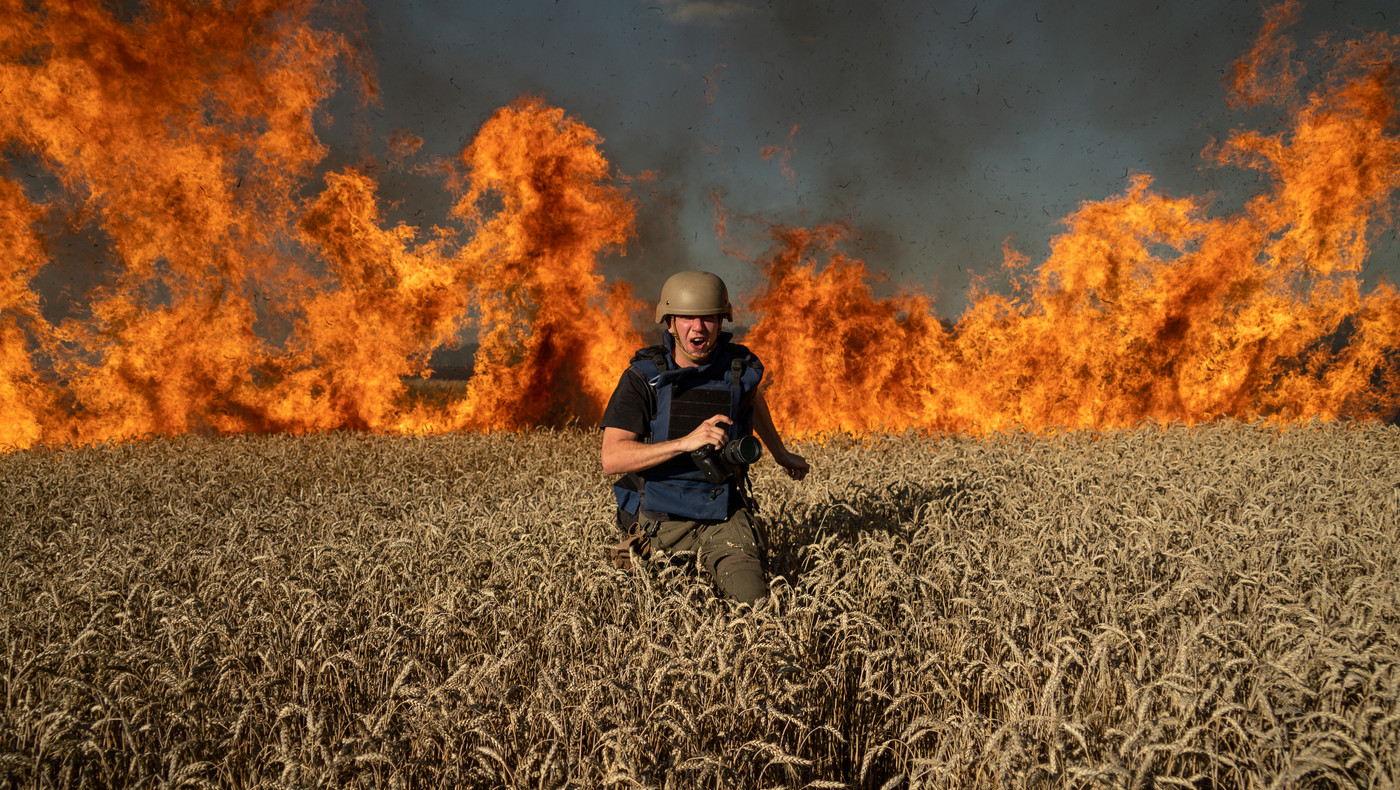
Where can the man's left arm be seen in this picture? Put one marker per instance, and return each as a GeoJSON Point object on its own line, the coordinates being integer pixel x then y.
{"type": "Point", "coordinates": [795, 465]}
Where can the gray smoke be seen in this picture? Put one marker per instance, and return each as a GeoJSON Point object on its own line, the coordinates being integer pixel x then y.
{"type": "Point", "coordinates": [937, 130]}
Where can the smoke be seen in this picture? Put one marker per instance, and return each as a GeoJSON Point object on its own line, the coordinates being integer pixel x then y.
{"type": "Point", "coordinates": [297, 181]}
{"type": "Point", "coordinates": [937, 131]}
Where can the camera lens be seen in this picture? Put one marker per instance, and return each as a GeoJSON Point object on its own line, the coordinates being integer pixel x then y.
{"type": "Point", "coordinates": [742, 452]}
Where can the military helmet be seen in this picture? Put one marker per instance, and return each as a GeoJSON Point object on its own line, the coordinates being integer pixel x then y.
{"type": "Point", "coordinates": [693, 293]}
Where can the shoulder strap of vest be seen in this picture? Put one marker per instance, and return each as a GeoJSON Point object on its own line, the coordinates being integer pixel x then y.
{"type": "Point", "coordinates": [651, 363]}
{"type": "Point", "coordinates": [742, 352]}
{"type": "Point", "coordinates": [744, 365]}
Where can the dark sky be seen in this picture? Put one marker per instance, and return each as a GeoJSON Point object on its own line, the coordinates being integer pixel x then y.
{"type": "Point", "coordinates": [938, 130]}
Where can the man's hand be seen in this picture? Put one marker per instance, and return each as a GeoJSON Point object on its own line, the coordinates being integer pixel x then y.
{"type": "Point", "coordinates": [624, 451]}
{"type": "Point", "coordinates": [795, 465]}
{"type": "Point", "coordinates": [714, 432]}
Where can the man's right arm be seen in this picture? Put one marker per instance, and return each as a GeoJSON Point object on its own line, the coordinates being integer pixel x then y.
{"type": "Point", "coordinates": [624, 451]}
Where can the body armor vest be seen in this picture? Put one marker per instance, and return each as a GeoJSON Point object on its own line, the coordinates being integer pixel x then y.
{"type": "Point", "coordinates": [685, 398]}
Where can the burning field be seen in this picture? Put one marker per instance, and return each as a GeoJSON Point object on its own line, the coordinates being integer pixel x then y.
{"type": "Point", "coordinates": [1132, 519]}
{"type": "Point", "coordinates": [233, 281]}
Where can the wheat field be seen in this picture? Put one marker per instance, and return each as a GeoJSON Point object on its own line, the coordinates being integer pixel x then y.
{"type": "Point", "coordinates": [1204, 607]}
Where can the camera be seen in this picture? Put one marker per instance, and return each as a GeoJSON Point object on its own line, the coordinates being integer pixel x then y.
{"type": "Point", "coordinates": [737, 454]}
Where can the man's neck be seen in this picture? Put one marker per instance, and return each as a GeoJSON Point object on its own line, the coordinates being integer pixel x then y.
{"type": "Point", "coordinates": [683, 360]}
{"type": "Point", "coordinates": [679, 356]}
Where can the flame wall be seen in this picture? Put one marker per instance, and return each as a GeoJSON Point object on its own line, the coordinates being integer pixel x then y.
{"type": "Point", "coordinates": [238, 288]}
{"type": "Point", "coordinates": [238, 283]}
{"type": "Point", "coordinates": [1149, 307]}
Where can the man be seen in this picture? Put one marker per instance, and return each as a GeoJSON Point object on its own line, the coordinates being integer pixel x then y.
{"type": "Point", "coordinates": [698, 392]}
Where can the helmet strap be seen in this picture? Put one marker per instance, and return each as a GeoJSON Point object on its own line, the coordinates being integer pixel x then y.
{"type": "Point", "coordinates": [680, 344]}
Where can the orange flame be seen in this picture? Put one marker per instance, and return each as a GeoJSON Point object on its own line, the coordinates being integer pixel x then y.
{"type": "Point", "coordinates": [179, 143]}
{"type": "Point", "coordinates": [178, 147]}
{"type": "Point", "coordinates": [554, 341]}
{"type": "Point", "coordinates": [1147, 308]}
{"type": "Point", "coordinates": [24, 405]}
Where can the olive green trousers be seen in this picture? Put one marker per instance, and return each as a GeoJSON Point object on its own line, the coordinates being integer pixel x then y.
{"type": "Point", "coordinates": [730, 551]}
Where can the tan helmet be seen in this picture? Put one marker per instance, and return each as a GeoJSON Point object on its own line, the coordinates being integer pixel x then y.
{"type": "Point", "coordinates": [693, 293]}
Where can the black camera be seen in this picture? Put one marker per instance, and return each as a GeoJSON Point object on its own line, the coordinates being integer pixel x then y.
{"type": "Point", "coordinates": [737, 454]}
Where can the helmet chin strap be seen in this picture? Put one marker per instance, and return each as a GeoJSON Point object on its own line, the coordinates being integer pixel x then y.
{"type": "Point", "coordinates": [680, 344]}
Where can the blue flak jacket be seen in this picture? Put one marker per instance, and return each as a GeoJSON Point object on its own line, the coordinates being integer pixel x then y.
{"type": "Point", "coordinates": [685, 398]}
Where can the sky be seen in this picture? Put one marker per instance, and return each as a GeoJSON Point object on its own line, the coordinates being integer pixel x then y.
{"type": "Point", "coordinates": [939, 131]}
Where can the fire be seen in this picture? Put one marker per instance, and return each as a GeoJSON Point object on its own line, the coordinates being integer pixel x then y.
{"type": "Point", "coordinates": [237, 284]}
{"type": "Point", "coordinates": [23, 404]}
{"type": "Point", "coordinates": [1148, 307]}
{"type": "Point", "coordinates": [553, 342]}
{"type": "Point", "coordinates": [181, 143]}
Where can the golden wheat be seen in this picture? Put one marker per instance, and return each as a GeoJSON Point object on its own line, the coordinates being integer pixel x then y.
{"type": "Point", "coordinates": [1200, 607]}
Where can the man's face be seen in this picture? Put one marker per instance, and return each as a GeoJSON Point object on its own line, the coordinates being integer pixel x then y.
{"type": "Point", "coordinates": [696, 335]}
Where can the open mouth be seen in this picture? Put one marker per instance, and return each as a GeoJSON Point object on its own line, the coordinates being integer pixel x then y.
{"type": "Point", "coordinates": [699, 346]}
